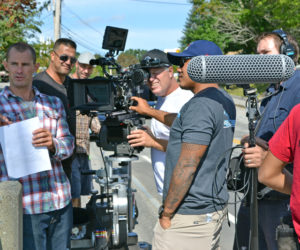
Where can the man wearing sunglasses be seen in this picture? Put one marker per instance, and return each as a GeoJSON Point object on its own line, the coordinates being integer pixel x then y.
{"type": "Point", "coordinates": [54, 81]}
{"type": "Point", "coordinates": [195, 192]}
{"type": "Point", "coordinates": [171, 98]}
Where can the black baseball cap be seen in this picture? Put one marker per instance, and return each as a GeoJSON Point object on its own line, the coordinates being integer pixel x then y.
{"type": "Point", "coordinates": [155, 58]}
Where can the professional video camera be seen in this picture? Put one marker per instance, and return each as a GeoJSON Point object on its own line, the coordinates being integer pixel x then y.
{"type": "Point", "coordinates": [110, 216]}
{"type": "Point", "coordinates": [111, 95]}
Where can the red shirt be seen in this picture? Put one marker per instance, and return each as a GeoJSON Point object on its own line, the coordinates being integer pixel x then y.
{"type": "Point", "coordinates": [285, 145]}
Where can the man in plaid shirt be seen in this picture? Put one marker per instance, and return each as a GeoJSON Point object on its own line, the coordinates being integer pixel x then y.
{"type": "Point", "coordinates": [47, 208]}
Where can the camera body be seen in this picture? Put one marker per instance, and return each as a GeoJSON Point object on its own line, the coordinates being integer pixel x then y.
{"type": "Point", "coordinates": [112, 213]}
{"type": "Point", "coordinates": [111, 95]}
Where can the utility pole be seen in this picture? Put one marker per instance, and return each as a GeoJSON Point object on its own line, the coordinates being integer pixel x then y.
{"type": "Point", "coordinates": [57, 19]}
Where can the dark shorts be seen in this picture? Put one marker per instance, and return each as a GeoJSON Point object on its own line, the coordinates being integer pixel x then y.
{"type": "Point", "coordinates": [80, 184]}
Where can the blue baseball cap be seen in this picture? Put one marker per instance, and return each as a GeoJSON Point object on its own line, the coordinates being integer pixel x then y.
{"type": "Point", "coordinates": [196, 48]}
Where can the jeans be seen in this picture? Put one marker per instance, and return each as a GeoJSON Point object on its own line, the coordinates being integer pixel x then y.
{"type": "Point", "coordinates": [48, 231]}
{"type": "Point", "coordinates": [80, 184]}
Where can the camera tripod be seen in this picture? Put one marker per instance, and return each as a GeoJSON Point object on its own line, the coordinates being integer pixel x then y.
{"type": "Point", "coordinates": [110, 216]}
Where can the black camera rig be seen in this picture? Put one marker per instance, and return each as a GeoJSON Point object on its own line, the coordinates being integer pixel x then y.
{"type": "Point", "coordinates": [111, 215]}
{"type": "Point", "coordinates": [111, 95]}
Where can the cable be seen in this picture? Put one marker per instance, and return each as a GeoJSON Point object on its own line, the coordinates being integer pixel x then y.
{"type": "Point", "coordinates": [77, 39]}
{"type": "Point", "coordinates": [81, 20]}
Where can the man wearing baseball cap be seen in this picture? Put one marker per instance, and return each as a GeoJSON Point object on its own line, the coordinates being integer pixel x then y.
{"type": "Point", "coordinates": [82, 184]}
{"type": "Point", "coordinates": [195, 193]}
{"type": "Point", "coordinates": [83, 67]}
{"type": "Point", "coordinates": [171, 98]}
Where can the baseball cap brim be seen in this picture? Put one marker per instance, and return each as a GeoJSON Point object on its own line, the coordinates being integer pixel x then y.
{"type": "Point", "coordinates": [174, 57]}
{"type": "Point", "coordinates": [196, 48]}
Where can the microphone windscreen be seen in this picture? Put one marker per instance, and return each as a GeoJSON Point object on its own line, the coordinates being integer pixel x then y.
{"type": "Point", "coordinates": [241, 69]}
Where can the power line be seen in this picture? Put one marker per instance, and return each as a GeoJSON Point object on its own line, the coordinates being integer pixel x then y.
{"type": "Point", "coordinates": [69, 35]}
{"type": "Point", "coordinates": [81, 20]}
{"type": "Point", "coordinates": [79, 40]}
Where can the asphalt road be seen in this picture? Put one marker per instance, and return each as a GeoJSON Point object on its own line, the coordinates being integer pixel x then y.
{"type": "Point", "coordinates": [148, 201]}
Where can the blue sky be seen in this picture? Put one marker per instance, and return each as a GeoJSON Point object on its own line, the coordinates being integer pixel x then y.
{"type": "Point", "coordinates": [151, 23]}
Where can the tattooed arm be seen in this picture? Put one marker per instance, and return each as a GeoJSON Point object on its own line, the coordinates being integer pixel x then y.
{"type": "Point", "coordinates": [182, 178]}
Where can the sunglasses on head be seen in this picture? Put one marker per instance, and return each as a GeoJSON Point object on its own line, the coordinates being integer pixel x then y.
{"type": "Point", "coordinates": [183, 60]}
{"type": "Point", "coordinates": [65, 58]}
{"type": "Point", "coordinates": [149, 62]}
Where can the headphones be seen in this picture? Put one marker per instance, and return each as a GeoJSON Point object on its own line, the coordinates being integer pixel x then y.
{"type": "Point", "coordinates": [286, 48]}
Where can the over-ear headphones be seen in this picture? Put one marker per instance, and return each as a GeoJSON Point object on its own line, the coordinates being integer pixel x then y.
{"type": "Point", "coordinates": [286, 48]}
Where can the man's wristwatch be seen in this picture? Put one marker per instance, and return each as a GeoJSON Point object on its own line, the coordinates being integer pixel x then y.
{"type": "Point", "coordinates": [162, 213]}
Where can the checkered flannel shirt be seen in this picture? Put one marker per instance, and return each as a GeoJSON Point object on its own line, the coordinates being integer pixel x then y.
{"type": "Point", "coordinates": [83, 124]}
{"type": "Point", "coordinates": [48, 190]}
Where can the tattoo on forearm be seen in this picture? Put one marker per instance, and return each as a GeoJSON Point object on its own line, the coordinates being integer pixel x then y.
{"type": "Point", "coordinates": [182, 178]}
{"type": "Point", "coordinates": [183, 174]}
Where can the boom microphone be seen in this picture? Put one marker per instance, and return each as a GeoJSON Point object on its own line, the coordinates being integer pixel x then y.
{"type": "Point", "coordinates": [241, 69]}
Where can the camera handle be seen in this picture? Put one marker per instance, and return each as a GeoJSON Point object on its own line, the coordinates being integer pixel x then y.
{"type": "Point", "coordinates": [252, 115]}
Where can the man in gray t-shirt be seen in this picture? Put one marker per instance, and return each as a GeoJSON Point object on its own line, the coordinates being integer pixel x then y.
{"type": "Point", "coordinates": [195, 192]}
{"type": "Point", "coordinates": [206, 120]}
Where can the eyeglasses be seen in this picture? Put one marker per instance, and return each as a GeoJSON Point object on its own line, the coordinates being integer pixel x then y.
{"type": "Point", "coordinates": [183, 60]}
{"type": "Point", "coordinates": [65, 58]}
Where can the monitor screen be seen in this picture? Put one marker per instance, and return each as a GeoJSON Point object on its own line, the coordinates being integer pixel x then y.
{"type": "Point", "coordinates": [114, 38]}
{"type": "Point", "coordinates": [92, 94]}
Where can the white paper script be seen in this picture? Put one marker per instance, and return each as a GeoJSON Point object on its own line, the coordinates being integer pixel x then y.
{"type": "Point", "coordinates": [21, 157]}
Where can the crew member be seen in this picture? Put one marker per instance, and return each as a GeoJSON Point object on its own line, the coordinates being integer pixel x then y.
{"type": "Point", "coordinates": [195, 193]}
{"type": "Point", "coordinates": [54, 81]}
{"type": "Point", "coordinates": [284, 148]}
{"type": "Point", "coordinates": [171, 98]}
{"type": "Point", "coordinates": [82, 184]}
{"type": "Point", "coordinates": [275, 107]}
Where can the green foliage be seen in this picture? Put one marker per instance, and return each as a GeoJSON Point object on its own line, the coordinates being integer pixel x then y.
{"type": "Point", "coordinates": [238, 91]}
{"type": "Point", "coordinates": [127, 59]}
{"type": "Point", "coordinates": [43, 54]}
{"type": "Point", "coordinates": [235, 24]}
{"type": "Point", "coordinates": [137, 53]}
{"type": "Point", "coordinates": [18, 22]}
{"type": "Point", "coordinates": [201, 27]}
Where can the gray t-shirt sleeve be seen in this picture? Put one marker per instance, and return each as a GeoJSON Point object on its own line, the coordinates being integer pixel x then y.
{"type": "Point", "coordinates": [198, 122]}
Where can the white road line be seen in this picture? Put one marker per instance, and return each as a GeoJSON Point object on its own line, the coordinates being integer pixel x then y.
{"type": "Point", "coordinates": [142, 188]}
{"type": "Point", "coordinates": [146, 158]}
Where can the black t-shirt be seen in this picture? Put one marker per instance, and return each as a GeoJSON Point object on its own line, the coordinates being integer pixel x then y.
{"type": "Point", "coordinates": [46, 85]}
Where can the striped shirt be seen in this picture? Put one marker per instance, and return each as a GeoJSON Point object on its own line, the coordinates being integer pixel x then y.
{"type": "Point", "coordinates": [48, 190]}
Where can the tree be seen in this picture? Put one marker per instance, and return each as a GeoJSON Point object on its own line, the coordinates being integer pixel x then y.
{"type": "Point", "coordinates": [127, 59]}
{"type": "Point", "coordinates": [201, 27]}
{"type": "Point", "coordinates": [18, 22]}
{"type": "Point", "coordinates": [43, 53]}
{"type": "Point", "coordinates": [241, 21]}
